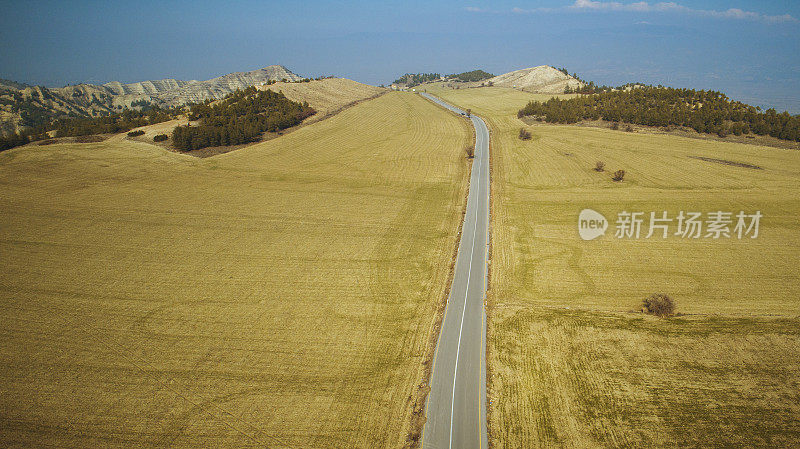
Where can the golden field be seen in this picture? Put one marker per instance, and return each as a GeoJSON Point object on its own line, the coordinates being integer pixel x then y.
{"type": "Point", "coordinates": [283, 295]}
{"type": "Point", "coordinates": [572, 363]}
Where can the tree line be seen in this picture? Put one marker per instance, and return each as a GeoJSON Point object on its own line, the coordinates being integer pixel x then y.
{"type": "Point", "coordinates": [109, 124]}
{"type": "Point", "coordinates": [241, 117]}
{"type": "Point", "coordinates": [473, 76]}
{"type": "Point", "coordinates": [704, 111]}
{"type": "Point", "coordinates": [84, 126]}
{"type": "Point", "coordinates": [415, 79]}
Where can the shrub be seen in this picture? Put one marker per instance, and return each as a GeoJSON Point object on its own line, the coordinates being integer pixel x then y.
{"type": "Point", "coordinates": [599, 166]}
{"type": "Point", "coordinates": [470, 152]}
{"type": "Point", "coordinates": [659, 304]}
{"type": "Point", "coordinates": [136, 133]}
{"type": "Point", "coordinates": [524, 134]}
{"type": "Point", "coordinates": [160, 138]}
{"type": "Point", "coordinates": [469, 112]}
{"type": "Point", "coordinates": [615, 126]}
{"type": "Point", "coordinates": [629, 129]}
{"type": "Point", "coordinates": [12, 140]}
{"type": "Point", "coordinates": [619, 175]}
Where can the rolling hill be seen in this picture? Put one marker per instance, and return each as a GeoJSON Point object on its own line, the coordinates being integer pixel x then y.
{"type": "Point", "coordinates": [542, 79]}
{"type": "Point", "coordinates": [328, 95]}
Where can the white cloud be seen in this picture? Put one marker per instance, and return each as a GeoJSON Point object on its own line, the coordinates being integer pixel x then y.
{"type": "Point", "coordinates": [531, 11]}
{"type": "Point", "coordinates": [642, 6]}
{"type": "Point", "coordinates": [733, 13]}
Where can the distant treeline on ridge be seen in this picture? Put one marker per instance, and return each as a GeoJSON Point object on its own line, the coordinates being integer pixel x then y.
{"type": "Point", "coordinates": [415, 79]}
{"type": "Point", "coordinates": [704, 111]}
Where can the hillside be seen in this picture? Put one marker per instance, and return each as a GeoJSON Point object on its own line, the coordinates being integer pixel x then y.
{"type": "Point", "coordinates": [542, 79]}
{"type": "Point", "coordinates": [12, 84]}
{"type": "Point", "coordinates": [703, 111]}
{"type": "Point", "coordinates": [32, 106]}
{"type": "Point", "coordinates": [328, 95]}
{"type": "Point", "coordinates": [24, 106]}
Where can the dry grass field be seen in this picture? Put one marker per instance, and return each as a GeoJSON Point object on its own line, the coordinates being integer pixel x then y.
{"type": "Point", "coordinates": [570, 364]}
{"type": "Point", "coordinates": [279, 296]}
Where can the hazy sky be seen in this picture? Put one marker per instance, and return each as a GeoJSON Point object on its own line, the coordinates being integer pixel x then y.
{"type": "Point", "coordinates": [748, 49]}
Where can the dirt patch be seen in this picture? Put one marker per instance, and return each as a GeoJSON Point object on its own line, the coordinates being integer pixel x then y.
{"type": "Point", "coordinates": [750, 139]}
{"type": "Point", "coordinates": [90, 139]}
{"type": "Point", "coordinates": [212, 151]}
{"type": "Point", "coordinates": [727, 162]}
{"type": "Point", "coordinates": [487, 305]}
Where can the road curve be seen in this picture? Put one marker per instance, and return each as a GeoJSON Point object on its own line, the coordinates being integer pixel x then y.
{"type": "Point", "coordinates": [456, 406]}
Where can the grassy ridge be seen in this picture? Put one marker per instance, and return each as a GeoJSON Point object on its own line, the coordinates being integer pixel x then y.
{"type": "Point", "coordinates": [603, 377]}
{"type": "Point", "coordinates": [327, 95]}
{"type": "Point", "coordinates": [279, 296]}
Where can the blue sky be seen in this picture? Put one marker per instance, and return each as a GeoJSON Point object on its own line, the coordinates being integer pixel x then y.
{"type": "Point", "coordinates": [748, 49]}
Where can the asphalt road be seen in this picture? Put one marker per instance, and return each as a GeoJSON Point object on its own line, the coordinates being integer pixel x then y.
{"type": "Point", "coordinates": [456, 407]}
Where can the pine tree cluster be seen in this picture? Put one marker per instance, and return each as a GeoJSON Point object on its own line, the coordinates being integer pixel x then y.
{"type": "Point", "coordinates": [704, 111]}
{"type": "Point", "coordinates": [241, 117]}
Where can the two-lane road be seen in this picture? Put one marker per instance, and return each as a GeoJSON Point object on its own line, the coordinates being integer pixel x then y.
{"type": "Point", "coordinates": [456, 407]}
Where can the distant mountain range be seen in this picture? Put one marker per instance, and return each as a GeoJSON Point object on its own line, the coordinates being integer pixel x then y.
{"type": "Point", "coordinates": [22, 105]}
